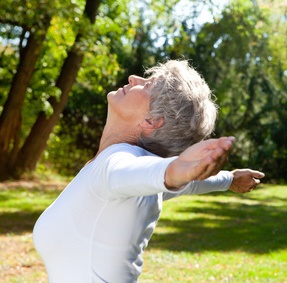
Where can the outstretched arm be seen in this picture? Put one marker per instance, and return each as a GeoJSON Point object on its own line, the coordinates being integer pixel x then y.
{"type": "Point", "coordinates": [245, 180]}
{"type": "Point", "coordinates": [198, 162]}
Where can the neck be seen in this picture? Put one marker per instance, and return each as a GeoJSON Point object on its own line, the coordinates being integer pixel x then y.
{"type": "Point", "coordinates": [112, 136]}
{"type": "Point", "coordinates": [119, 134]}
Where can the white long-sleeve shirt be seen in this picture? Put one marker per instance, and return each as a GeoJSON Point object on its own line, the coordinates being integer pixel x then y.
{"type": "Point", "coordinates": [100, 225]}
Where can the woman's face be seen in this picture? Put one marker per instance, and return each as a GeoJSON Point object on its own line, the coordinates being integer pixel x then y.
{"type": "Point", "coordinates": [131, 102]}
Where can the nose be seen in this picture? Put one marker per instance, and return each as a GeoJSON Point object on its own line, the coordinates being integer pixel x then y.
{"type": "Point", "coordinates": [136, 80]}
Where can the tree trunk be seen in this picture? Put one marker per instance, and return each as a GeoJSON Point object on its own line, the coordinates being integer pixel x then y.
{"type": "Point", "coordinates": [37, 140]}
{"type": "Point", "coordinates": [10, 119]}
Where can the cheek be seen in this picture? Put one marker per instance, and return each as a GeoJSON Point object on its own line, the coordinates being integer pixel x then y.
{"type": "Point", "coordinates": [144, 104]}
{"type": "Point", "coordinates": [138, 101]}
{"type": "Point", "coordinates": [137, 109]}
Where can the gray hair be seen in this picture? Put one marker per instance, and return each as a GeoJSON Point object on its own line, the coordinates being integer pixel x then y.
{"type": "Point", "coordinates": [183, 99]}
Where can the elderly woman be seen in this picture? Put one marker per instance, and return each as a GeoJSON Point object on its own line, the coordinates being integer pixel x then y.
{"type": "Point", "coordinates": [151, 150]}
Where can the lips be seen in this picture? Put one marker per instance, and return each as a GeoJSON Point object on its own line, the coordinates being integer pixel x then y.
{"type": "Point", "coordinates": [124, 90]}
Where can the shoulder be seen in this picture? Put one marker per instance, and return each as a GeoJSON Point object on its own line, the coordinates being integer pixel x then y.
{"type": "Point", "coordinates": [120, 151]}
{"type": "Point", "coordinates": [125, 149]}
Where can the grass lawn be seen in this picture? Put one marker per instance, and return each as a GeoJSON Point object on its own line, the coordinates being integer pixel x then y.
{"type": "Point", "coordinates": [220, 237]}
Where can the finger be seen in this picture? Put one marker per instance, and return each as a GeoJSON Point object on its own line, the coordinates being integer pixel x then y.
{"type": "Point", "coordinates": [223, 142]}
{"type": "Point", "coordinates": [258, 174]}
{"type": "Point", "coordinates": [254, 173]}
{"type": "Point", "coordinates": [212, 168]}
{"type": "Point", "coordinates": [226, 142]}
{"type": "Point", "coordinates": [256, 182]}
{"type": "Point", "coordinates": [219, 156]}
{"type": "Point", "coordinates": [203, 169]}
{"type": "Point", "coordinates": [217, 153]}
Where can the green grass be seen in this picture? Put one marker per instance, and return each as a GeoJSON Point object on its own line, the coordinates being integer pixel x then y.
{"type": "Point", "coordinates": [220, 237]}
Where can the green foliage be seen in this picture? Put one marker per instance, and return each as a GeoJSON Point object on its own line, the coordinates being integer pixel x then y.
{"type": "Point", "coordinates": [237, 56]}
{"type": "Point", "coordinates": [85, 113]}
{"type": "Point", "coordinates": [252, 88]}
{"type": "Point", "coordinates": [8, 59]}
{"type": "Point", "coordinates": [241, 53]}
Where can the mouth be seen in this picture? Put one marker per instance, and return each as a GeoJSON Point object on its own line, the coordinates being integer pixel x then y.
{"type": "Point", "coordinates": [124, 90]}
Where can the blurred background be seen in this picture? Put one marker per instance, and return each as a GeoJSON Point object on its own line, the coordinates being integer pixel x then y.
{"type": "Point", "coordinates": [59, 59]}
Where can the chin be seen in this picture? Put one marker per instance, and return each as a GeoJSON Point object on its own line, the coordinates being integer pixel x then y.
{"type": "Point", "coordinates": [111, 93]}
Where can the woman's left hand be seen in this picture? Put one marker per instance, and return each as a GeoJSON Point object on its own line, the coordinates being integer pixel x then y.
{"type": "Point", "coordinates": [245, 180]}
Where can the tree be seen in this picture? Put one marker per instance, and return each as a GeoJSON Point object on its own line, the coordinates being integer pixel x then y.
{"type": "Point", "coordinates": [251, 86]}
{"type": "Point", "coordinates": [36, 141]}
{"type": "Point", "coordinates": [85, 114]}
{"type": "Point", "coordinates": [15, 159]}
{"type": "Point", "coordinates": [10, 119]}
{"type": "Point", "coordinates": [242, 55]}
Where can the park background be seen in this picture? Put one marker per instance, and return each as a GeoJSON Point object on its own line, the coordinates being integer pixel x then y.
{"type": "Point", "coordinates": [59, 59]}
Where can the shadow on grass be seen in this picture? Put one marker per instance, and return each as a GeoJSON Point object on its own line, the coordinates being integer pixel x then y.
{"type": "Point", "coordinates": [208, 224]}
{"type": "Point", "coordinates": [255, 228]}
{"type": "Point", "coordinates": [18, 222]}
{"type": "Point", "coordinates": [21, 207]}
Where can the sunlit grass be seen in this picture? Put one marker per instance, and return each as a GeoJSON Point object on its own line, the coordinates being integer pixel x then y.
{"type": "Point", "coordinates": [221, 237]}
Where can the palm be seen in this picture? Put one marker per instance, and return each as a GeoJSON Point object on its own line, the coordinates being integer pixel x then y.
{"type": "Point", "coordinates": [198, 162]}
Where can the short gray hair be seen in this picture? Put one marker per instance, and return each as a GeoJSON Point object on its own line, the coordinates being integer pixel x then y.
{"type": "Point", "coordinates": [183, 99]}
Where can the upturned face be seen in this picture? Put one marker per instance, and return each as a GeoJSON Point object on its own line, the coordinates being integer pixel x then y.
{"type": "Point", "coordinates": [131, 102]}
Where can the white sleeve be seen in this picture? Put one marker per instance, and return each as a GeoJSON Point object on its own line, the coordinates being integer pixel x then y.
{"type": "Point", "coordinates": [219, 182]}
{"type": "Point", "coordinates": [128, 175]}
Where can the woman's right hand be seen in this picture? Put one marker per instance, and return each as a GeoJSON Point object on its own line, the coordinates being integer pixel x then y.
{"type": "Point", "coordinates": [245, 180]}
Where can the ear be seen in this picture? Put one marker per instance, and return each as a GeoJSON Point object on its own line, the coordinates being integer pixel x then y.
{"type": "Point", "coordinates": [151, 123]}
